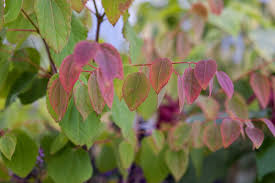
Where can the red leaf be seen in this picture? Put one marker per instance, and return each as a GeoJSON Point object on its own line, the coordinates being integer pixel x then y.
{"type": "Point", "coordinates": [135, 90]}
{"type": "Point", "coordinates": [261, 87]}
{"type": "Point", "coordinates": [69, 73]}
{"type": "Point", "coordinates": [191, 86]}
{"type": "Point", "coordinates": [216, 6]}
{"type": "Point", "coordinates": [211, 86]}
{"type": "Point", "coordinates": [226, 83]}
{"type": "Point", "coordinates": [212, 137]}
{"type": "Point", "coordinates": [255, 135]}
{"type": "Point", "coordinates": [94, 94]}
{"type": "Point", "coordinates": [230, 131]}
{"type": "Point", "coordinates": [109, 61]}
{"type": "Point", "coordinates": [106, 88]}
{"type": "Point", "coordinates": [181, 92]}
{"type": "Point", "coordinates": [84, 52]}
{"type": "Point", "coordinates": [270, 125]}
{"type": "Point", "coordinates": [160, 73]}
{"type": "Point", "coordinates": [204, 72]}
{"type": "Point", "coordinates": [58, 97]}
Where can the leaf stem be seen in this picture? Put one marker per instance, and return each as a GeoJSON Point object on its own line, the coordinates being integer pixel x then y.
{"type": "Point", "coordinates": [53, 67]}
{"type": "Point", "coordinates": [141, 65]}
{"type": "Point", "coordinates": [23, 30]}
{"type": "Point", "coordinates": [92, 66]}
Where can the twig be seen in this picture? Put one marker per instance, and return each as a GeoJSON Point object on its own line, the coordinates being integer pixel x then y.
{"type": "Point", "coordinates": [99, 21]}
{"type": "Point", "coordinates": [141, 65]}
{"type": "Point", "coordinates": [54, 69]}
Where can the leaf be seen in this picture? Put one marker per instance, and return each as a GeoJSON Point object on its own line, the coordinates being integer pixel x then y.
{"type": "Point", "coordinates": [81, 132]}
{"type": "Point", "coordinates": [212, 137]}
{"type": "Point", "coordinates": [135, 89]}
{"type": "Point", "coordinates": [205, 71]}
{"type": "Point", "coordinates": [191, 86]}
{"type": "Point", "coordinates": [270, 125]}
{"type": "Point", "coordinates": [78, 32]}
{"type": "Point", "coordinates": [81, 100]}
{"type": "Point", "coordinates": [179, 136]}
{"type": "Point", "coordinates": [123, 117]}
{"type": "Point", "coordinates": [106, 88]}
{"type": "Point", "coordinates": [255, 135]}
{"type": "Point", "coordinates": [70, 166]}
{"type": "Point", "coordinates": [197, 134]}
{"type": "Point", "coordinates": [209, 106]}
{"type": "Point", "coordinates": [126, 154]}
{"type": "Point", "coordinates": [1, 14]}
{"type": "Point", "coordinates": [236, 107]}
{"type": "Point", "coordinates": [115, 8]}
{"type": "Point", "coordinates": [158, 140]}
{"type": "Point", "coordinates": [216, 6]}
{"type": "Point", "coordinates": [24, 157]}
{"type": "Point", "coordinates": [59, 142]}
{"type": "Point", "coordinates": [78, 5]}
{"type": "Point", "coordinates": [94, 94]}
{"type": "Point", "coordinates": [230, 131]}
{"type": "Point", "coordinates": [177, 162]}
{"type": "Point", "coordinates": [160, 73]}
{"type": "Point", "coordinates": [7, 145]}
{"type": "Point", "coordinates": [105, 161]}
{"type": "Point", "coordinates": [211, 86]}
{"type": "Point", "coordinates": [54, 21]}
{"type": "Point", "coordinates": [261, 87]}
{"type": "Point", "coordinates": [149, 106]}
{"type": "Point", "coordinates": [181, 93]}
{"type": "Point", "coordinates": [12, 9]}
{"type": "Point", "coordinates": [58, 97]}
{"type": "Point", "coordinates": [135, 42]}
{"type": "Point", "coordinates": [85, 51]}
{"type": "Point", "coordinates": [226, 83]}
{"type": "Point", "coordinates": [109, 61]}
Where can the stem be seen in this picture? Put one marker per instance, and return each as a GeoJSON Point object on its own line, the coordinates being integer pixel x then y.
{"type": "Point", "coordinates": [141, 65]}
{"type": "Point", "coordinates": [54, 69]}
{"type": "Point", "coordinates": [99, 21]}
{"type": "Point", "coordinates": [92, 66]}
{"type": "Point", "coordinates": [23, 30]}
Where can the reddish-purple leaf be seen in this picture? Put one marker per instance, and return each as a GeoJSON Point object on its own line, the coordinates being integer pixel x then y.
{"type": "Point", "coordinates": [135, 90]}
{"type": "Point", "coordinates": [192, 88]}
{"type": "Point", "coordinates": [160, 73]}
{"type": "Point", "coordinates": [212, 137]}
{"type": "Point", "coordinates": [181, 92]}
{"type": "Point", "coordinates": [261, 87]}
{"type": "Point", "coordinates": [94, 94]}
{"type": "Point", "coordinates": [226, 83]}
{"type": "Point", "coordinates": [106, 88]}
{"type": "Point", "coordinates": [84, 52]}
{"type": "Point", "coordinates": [216, 6]}
{"type": "Point", "coordinates": [58, 97]}
{"type": "Point", "coordinates": [270, 125]}
{"type": "Point", "coordinates": [109, 61]}
{"type": "Point", "coordinates": [230, 131]}
{"type": "Point", "coordinates": [205, 71]}
{"type": "Point", "coordinates": [69, 73]}
{"type": "Point", "coordinates": [211, 86]}
{"type": "Point", "coordinates": [255, 135]}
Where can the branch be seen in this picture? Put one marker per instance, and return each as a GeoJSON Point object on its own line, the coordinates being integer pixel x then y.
{"type": "Point", "coordinates": [99, 21]}
{"type": "Point", "coordinates": [54, 69]}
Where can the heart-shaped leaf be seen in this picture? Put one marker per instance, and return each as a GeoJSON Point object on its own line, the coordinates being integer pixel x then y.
{"type": "Point", "coordinates": [209, 106]}
{"type": "Point", "coordinates": [230, 131]}
{"type": "Point", "coordinates": [212, 137]}
{"type": "Point", "coordinates": [205, 71]}
{"type": "Point", "coordinates": [58, 97]}
{"type": "Point", "coordinates": [181, 92]}
{"type": "Point", "coordinates": [236, 107]}
{"type": "Point", "coordinates": [255, 135]}
{"type": "Point", "coordinates": [106, 88]}
{"type": "Point", "coordinates": [7, 145]}
{"type": "Point", "coordinates": [261, 87]}
{"type": "Point", "coordinates": [135, 90]}
{"type": "Point", "coordinates": [226, 83]}
{"type": "Point", "coordinates": [160, 73]}
{"type": "Point", "coordinates": [270, 125]}
{"type": "Point", "coordinates": [84, 52]}
{"type": "Point", "coordinates": [192, 88]}
{"type": "Point", "coordinates": [69, 73]}
{"type": "Point", "coordinates": [94, 94]}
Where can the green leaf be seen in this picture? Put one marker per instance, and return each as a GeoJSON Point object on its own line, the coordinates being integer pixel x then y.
{"type": "Point", "coordinates": [24, 157]}
{"type": "Point", "coordinates": [115, 8]}
{"type": "Point", "coordinates": [1, 14]}
{"type": "Point", "coordinates": [237, 107]}
{"type": "Point", "coordinates": [78, 33]}
{"type": "Point", "coordinates": [154, 167]}
{"type": "Point", "coordinates": [135, 42]}
{"type": "Point", "coordinates": [177, 162]}
{"type": "Point", "coordinates": [197, 159]}
{"type": "Point", "coordinates": [4, 67]}
{"type": "Point", "coordinates": [59, 142]}
{"type": "Point", "coordinates": [179, 136]}
{"type": "Point", "coordinates": [156, 141]}
{"type": "Point", "coordinates": [12, 9]}
{"type": "Point", "coordinates": [81, 132]}
{"type": "Point", "coordinates": [78, 5]}
{"type": "Point", "coordinates": [126, 154]}
{"type": "Point", "coordinates": [70, 166]}
{"type": "Point", "coordinates": [149, 106]}
{"type": "Point", "coordinates": [7, 145]}
{"type": "Point", "coordinates": [54, 21]}
{"type": "Point", "coordinates": [106, 160]}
